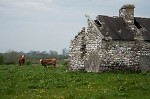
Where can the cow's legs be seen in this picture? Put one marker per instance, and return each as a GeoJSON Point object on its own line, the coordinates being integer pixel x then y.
{"type": "Point", "coordinates": [54, 64]}
{"type": "Point", "coordinates": [45, 66]}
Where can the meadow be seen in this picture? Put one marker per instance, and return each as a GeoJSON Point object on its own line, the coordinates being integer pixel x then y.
{"type": "Point", "coordinates": [37, 82]}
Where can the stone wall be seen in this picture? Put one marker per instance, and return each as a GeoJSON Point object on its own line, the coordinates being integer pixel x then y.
{"type": "Point", "coordinates": [77, 51]}
{"type": "Point", "coordinates": [88, 51]}
{"type": "Point", "coordinates": [93, 52]}
{"type": "Point", "coordinates": [117, 55]}
{"type": "Point", "coordinates": [145, 63]}
{"type": "Point", "coordinates": [90, 54]}
{"type": "Point", "coordinates": [127, 13]}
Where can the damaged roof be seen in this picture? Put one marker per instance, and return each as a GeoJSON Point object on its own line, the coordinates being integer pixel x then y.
{"type": "Point", "coordinates": [145, 27]}
{"type": "Point", "coordinates": [116, 28]}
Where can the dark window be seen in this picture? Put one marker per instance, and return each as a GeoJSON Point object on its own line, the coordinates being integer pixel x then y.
{"type": "Point", "coordinates": [98, 23]}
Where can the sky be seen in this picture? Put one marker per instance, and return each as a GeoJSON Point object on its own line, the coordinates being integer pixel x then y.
{"type": "Point", "coordinates": [44, 25]}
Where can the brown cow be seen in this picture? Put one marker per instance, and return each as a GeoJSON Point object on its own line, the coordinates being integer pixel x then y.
{"type": "Point", "coordinates": [46, 62]}
{"type": "Point", "coordinates": [21, 60]}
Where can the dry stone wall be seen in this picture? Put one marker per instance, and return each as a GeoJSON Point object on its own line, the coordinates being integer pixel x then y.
{"type": "Point", "coordinates": [76, 52]}
{"type": "Point", "coordinates": [93, 52]}
{"type": "Point", "coordinates": [117, 55]}
{"type": "Point", "coordinates": [88, 52]}
{"type": "Point", "coordinates": [144, 63]}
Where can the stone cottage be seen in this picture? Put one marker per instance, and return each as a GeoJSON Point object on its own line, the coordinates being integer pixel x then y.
{"type": "Point", "coordinates": [112, 43]}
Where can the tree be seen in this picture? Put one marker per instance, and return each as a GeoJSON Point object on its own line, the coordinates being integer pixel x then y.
{"type": "Point", "coordinates": [65, 52]}
{"type": "Point", "coordinates": [11, 57]}
{"type": "Point", "coordinates": [53, 53]}
{"type": "Point", "coordinates": [1, 59]}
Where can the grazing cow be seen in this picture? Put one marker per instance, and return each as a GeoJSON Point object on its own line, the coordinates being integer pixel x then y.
{"type": "Point", "coordinates": [46, 62]}
{"type": "Point", "coordinates": [21, 60]}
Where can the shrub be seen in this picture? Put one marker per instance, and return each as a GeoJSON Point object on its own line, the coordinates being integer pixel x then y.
{"type": "Point", "coordinates": [10, 63]}
{"type": "Point", "coordinates": [28, 63]}
{"type": "Point", "coordinates": [1, 59]}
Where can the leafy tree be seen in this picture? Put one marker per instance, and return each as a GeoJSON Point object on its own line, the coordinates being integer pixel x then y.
{"type": "Point", "coordinates": [65, 52]}
{"type": "Point", "coordinates": [53, 53]}
{"type": "Point", "coordinates": [11, 57]}
{"type": "Point", "coordinates": [1, 59]}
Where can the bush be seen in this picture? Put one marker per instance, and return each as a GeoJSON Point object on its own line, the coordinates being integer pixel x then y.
{"type": "Point", "coordinates": [1, 59]}
{"type": "Point", "coordinates": [10, 63]}
{"type": "Point", "coordinates": [28, 63]}
{"type": "Point", "coordinates": [11, 57]}
{"type": "Point", "coordinates": [65, 63]}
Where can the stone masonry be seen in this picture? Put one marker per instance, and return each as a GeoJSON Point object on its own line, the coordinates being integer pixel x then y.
{"type": "Point", "coordinates": [112, 43]}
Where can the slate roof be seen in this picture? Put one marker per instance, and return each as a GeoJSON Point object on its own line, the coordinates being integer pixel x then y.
{"type": "Point", "coordinates": [145, 24]}
{"type": "Point", "coordinates": [116, 28]}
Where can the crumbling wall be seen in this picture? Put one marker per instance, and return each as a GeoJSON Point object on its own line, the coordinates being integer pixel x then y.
{"type": "Point", "coordinates": [93, 52]}
{"type": "Point", "coordinates": [127, 14]}
{"type": "Point", "coordinates": [108, 55]}
{"type": "Point", "coordinates": [117, 55]}
{"type": "Point", "coordinates": [145, 63]}
{"type": "Point", "coordinates": [77, 52]}
{"type": "Point", "coordinates": [82, 45]}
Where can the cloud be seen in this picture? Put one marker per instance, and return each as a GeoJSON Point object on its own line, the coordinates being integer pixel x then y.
{"type": "Point", "coordinates": [24, 8]}
{"type": "Point", "coordinates": [29, 5]}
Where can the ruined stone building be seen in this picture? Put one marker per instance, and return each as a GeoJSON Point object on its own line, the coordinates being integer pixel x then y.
{"type": "Point", "coordinates": [112, 43]}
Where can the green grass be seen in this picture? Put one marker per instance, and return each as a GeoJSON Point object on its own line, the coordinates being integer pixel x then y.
{"type": "Point", "coordinates": [37, 82]}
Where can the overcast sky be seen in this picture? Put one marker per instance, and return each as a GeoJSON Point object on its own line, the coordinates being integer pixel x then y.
{"type": "Point", "coordinates": [43, 25]}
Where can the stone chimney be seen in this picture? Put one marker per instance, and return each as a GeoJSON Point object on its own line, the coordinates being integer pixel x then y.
{"type": "Point", "coordinates": [127, 13]}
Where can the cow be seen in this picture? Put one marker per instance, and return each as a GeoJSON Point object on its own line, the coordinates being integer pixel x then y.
{"type": "Point", "coordinates": [51, 61]}
{"type": "Point", "coordinates": [21, 60]}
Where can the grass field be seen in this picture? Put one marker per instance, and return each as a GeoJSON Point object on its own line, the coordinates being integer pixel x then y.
{"type": "Point", "coordinates": [36, 82]}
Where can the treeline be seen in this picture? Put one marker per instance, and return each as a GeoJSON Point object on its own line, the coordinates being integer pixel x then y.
{"type": "Point", "coordinates": [32, 57]}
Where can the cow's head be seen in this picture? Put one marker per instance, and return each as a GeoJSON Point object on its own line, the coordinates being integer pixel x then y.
{"type": "Point", "coordinates": [40, 60]}
{"type": "Point", "coordinates": [22, 56]}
